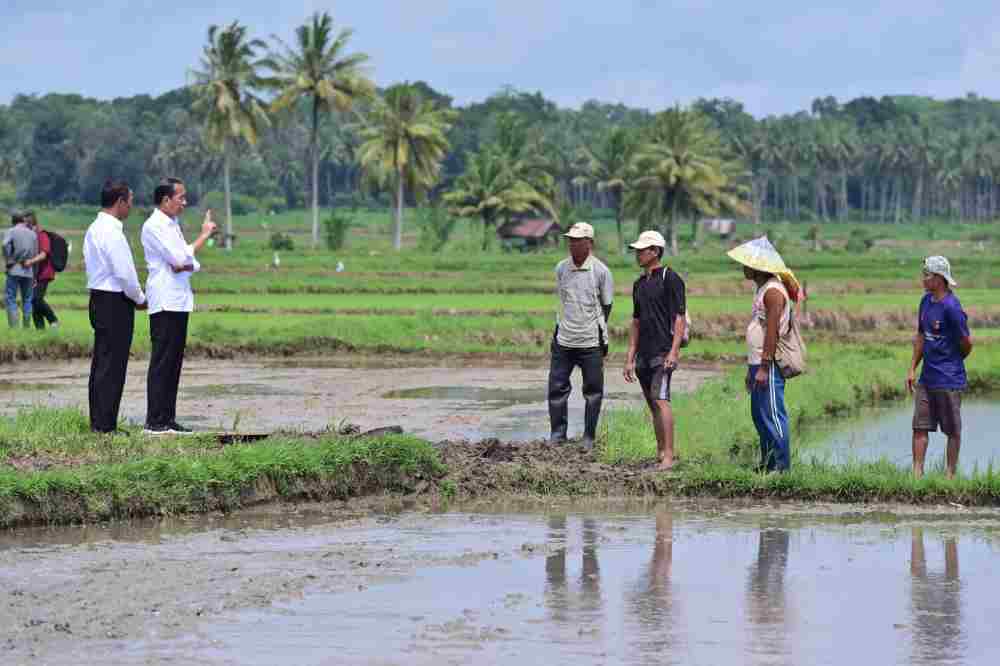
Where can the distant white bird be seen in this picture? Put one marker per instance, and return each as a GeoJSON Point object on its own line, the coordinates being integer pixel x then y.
{"type": "Point", "coordinates": [276, 262]}
{"type": "Point", "coordinates": [340, 267]}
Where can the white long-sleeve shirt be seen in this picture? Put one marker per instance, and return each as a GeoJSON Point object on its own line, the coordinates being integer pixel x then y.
{"type": "Point", "coordinates": [165, 249]}
{"type": "Point", "coordinates": [108, 258]}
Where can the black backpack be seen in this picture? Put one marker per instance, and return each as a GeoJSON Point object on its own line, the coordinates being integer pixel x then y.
{"type": "Point", "coordinates": [59, 251]}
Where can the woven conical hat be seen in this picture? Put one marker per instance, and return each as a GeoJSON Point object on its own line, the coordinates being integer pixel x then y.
{"type": "Point", "coordinates": [760, 255]}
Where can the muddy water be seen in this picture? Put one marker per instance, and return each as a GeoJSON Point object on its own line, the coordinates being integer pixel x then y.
{"type": "Point", "coordinates": [596, 584]}
{"type": "Point", "coordinates": [886, 433]}
{"type": "Point", "coordinates": [503, 400]}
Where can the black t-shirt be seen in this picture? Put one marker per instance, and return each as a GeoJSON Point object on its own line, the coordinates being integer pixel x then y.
{"type": "Point", "coordinates": [657, 299]}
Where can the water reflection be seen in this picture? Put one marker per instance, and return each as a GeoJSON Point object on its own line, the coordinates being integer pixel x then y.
{"type": "Point", "coordinates": [766, 596]}
{"type": "Point", "coordinates": [651, 599]}
{"type": "Point", "coordinates": [559, 599]}
{"type": "Point", "coordinates": [935, 603]}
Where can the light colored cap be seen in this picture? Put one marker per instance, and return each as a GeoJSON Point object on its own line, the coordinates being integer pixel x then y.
{"type": "Point", "coordinates": [580, 230]}
{"type": "Point", "coordinates": [648, 239]}
{"type": "Point", "coordinates": [939, 266]}
{"type": "Point", "coordinates": [760, 255]}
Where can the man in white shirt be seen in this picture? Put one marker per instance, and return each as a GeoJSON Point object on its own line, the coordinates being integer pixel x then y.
{"type": "Point", "coordinates": [171, 261]}
{"type": "Point", "coordinates": [115, 295]}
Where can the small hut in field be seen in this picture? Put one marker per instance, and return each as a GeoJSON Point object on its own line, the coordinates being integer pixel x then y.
{"type": "Point", "coordinates": [527, 235]}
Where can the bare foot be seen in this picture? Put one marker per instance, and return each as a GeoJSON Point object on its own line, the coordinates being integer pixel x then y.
{"type": "Point", "coordinates": [665, 465]}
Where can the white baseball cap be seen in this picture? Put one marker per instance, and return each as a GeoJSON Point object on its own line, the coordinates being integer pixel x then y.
{"type": "Point", "coordinates": [939, 266]}
{"type": "Point", "coordinates": [580, 230]}
{"type": "Point", "coordinates": [649, 239]}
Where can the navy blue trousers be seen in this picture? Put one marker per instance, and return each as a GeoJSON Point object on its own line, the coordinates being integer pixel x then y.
{"type": "Point", "coordinates": [767, 406]}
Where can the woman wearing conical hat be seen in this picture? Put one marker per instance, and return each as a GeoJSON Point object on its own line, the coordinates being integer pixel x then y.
{"type": "Point", "coordinates": [771, 315]}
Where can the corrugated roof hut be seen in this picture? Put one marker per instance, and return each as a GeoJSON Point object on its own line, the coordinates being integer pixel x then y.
{"type": "Point", "coordinates": [529, 234]}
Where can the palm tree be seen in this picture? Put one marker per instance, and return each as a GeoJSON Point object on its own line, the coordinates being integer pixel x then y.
{"type": "Point", "coordinates": [317, 70]}
{"type": "Point", "coordinates": [404, 145]}
{"type": "Point", "coordinates": [224, 93]}
{"type": "Point", "coordinates": [682, 169]}
{"type": "Point", "coordinates": [609, 163]}
{"type": "Point", "coordinates": [491, 189]}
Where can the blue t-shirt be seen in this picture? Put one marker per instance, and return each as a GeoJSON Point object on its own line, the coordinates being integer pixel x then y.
{"type": "Point", "coordinates": [943, 325]}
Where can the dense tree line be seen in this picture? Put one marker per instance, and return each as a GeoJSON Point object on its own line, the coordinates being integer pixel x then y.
{"type": "Point", "coordinates": [288, 125]}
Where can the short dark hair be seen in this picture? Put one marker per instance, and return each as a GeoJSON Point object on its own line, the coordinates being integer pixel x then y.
{"type": "Point", "coordinates": [113, 191]}
{"type": "Point", "coordinates": [166, 188]}
{"type": "Point", "coordinates": [659, 252]}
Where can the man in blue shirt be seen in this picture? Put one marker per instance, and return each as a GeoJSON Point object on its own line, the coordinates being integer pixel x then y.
{"type": "Point", "coordinates": [942, 342]}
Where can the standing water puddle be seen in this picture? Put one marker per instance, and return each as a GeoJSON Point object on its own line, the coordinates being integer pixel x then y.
{"type": "Point", "coordinates": [683, 584]}
{"type": "Point", "coordinates": [886, 433]}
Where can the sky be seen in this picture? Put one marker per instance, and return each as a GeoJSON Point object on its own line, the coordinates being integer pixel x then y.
{"type": "Point", "coordinates": [775, 56]}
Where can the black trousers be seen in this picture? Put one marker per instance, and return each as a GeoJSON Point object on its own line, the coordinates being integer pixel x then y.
{"type": "Point", "coordinates": [112, 316]}
{"type": "Point", "coordinates": [591, 364]}
{"type": "Point", "coordinates": [41, 311]}
{"type": "Point", "coordinates": [168, 333]}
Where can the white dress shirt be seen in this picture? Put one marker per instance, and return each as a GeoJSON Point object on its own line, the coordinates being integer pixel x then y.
{"type": "Point", "coordinates": [165, 249]}
{"type": "Point", "coordinates": [109, 259]}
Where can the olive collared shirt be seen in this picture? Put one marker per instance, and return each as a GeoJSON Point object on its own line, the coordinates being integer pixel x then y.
{"type": "Point", "coordinates": [583, 290]}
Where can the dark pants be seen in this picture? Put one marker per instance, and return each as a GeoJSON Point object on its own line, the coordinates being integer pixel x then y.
{"type": "Point", "coordinates": [591, 364]}
{"type": "Point", "coordinates": [112, 316]}
{"type": "Point", "coordinates": [168, 333]}
{"type": "Point", "coordinates": [41, 311]}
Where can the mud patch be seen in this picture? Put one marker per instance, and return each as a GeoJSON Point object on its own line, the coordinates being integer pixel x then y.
{"type": "Point", "coordinates": [490, 398]}
{"type": "Point", "coordinates": [234, 390]}
{"type": "Point", "coordinates": [316, 393]}
{"type": "Point", "coordinates": [12, 386]}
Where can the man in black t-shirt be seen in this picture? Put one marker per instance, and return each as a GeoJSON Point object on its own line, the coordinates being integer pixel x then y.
{"type": "Point", "coordinates": [658, 323]}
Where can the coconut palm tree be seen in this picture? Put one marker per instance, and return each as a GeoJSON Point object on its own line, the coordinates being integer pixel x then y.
{"type": "Point", "coordinates": [404, 145]}
{"type": "Point", "coordinates": [609, 163]}
{"type": "Point", "coordinates": [682, 169]}
{"type": "Point", "coordinates": [490, 189]}
{"type": "Point", "coordinates": [224, 92]}
{"type": "Point", "coordinates": [317, 70]}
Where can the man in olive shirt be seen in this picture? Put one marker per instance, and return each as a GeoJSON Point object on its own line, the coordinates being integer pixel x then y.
{"type": "Point", "coordinates": [586, 292]}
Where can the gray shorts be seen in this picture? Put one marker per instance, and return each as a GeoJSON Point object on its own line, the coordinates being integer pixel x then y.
{"type": "Point", "coordinates": [937, 407]}
{"type": "Point", "coordinates": [653, 378]}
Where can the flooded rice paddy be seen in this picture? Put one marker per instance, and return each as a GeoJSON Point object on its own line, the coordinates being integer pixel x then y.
{"type": "Point", "coordinates": [595, 583]}
{"type": "Point", "coordinates": [886, 433]}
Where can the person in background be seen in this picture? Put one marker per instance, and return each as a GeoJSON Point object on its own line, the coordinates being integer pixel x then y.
{"type": "Point", "coordinates": [45, 273]}
{"type": "Point", "coordinates": [771, 317]}
{"type": "Point", "coordinates": [659, 305]}
{"type": "Point", "coordinates": [942, 342]}
{"type": "Point", "coordinates": [20, 244]}
{"type": "Point", "coordinates": [586, 292]}
{"type": "Point", "coordinates": [115, 295]}
{"type": "Point", "coordinates": [171, 261]}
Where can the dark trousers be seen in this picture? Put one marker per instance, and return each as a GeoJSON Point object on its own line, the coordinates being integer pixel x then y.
{"type": "Point", "coordinates": [41, 311]}
{"type": "Point", "coordinates": [591, 364]}
{"type": "Point", "coordinates": [112, 316]}
{"type": "Point", "coordinates": [168, 333]}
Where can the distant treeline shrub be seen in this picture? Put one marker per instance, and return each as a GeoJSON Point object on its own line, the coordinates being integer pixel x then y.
{"type": "Point", "coordinates": [335, 228]}
{"type": "Point", "coordinates": [436, 227]}
{"type": "Point", "coordinates": [281, 241]}
{"type": "Point", "coordinates": [243, 204]}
